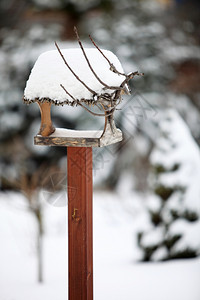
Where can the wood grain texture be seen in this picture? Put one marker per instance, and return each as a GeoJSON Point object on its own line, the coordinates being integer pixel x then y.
{"type": "Point", "coordinates": [46, 127]}
{"type": "Point", "coordinates": [73, 138]}
{"type": "Point", "coordinates": [66, 141]}
{"type": "Point", "coordinates": [80, 231]}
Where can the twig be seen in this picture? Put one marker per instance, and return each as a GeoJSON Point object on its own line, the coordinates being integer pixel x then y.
{"type": "Point", "coordinates": [78, 103]}
{"type": "Point", "coordinates": [99, 106]}
{"type": "Point", "coordinates": [114, 98]}
{"type": "Point", "coordinates": [75, 100]}
{"type": "Point", "coordinates": [91, 68]}
{"type": "Point", "coordinates": [89, 89]}
{"type": "Point", "coordinates": [130, 76]}
{"type": "Point", "coordinates": [93, 113]}
{"type": "Point", "coordinates": [112, 67]}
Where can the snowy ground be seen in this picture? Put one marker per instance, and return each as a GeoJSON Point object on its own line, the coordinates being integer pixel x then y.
{"type": "Point", "coordinates": [117, 276]}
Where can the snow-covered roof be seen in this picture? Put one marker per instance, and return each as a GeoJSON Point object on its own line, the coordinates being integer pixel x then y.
{"type": "Point", "coordinates": [50, 71]}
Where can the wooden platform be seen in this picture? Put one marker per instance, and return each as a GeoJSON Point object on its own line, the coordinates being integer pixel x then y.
{"type": "Point", "coordinates": [79, 138]}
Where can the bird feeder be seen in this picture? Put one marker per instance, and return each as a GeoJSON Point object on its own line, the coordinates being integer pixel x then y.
{"type": "Point", "coordinates": [94, 80]}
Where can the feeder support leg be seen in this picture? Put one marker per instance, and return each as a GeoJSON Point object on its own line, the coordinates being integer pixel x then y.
{"type": "Point", "coordinates": [46, 127]}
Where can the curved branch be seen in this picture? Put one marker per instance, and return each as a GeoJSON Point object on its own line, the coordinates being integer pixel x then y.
{"type": "Point", "coordinates": [91, 68]}
{"type": "Point", "coordinates": [78, 103]}
{"type": "Point", "coordinates": [93, 113]}
{"type": "Point", "coordinates": [68, 93]}
{"type": "Point", "coordinates": [112, 67]}
{"type": "Point", "coordinates": [89, 89]}
{"type": "Point", "coordinates": [130, 76]}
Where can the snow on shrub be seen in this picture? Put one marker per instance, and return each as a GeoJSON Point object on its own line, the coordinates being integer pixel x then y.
{"type": "Point", "coordinates": [174, 231]}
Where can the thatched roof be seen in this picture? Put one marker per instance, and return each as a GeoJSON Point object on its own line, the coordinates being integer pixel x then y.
{"type": "Point", "coordinates": [50, 72]}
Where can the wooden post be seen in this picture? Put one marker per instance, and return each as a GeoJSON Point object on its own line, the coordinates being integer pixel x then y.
{"type": "Point", "coordinates": [79, 172]}
{"type": "Point", "coordinates": [80, 239]}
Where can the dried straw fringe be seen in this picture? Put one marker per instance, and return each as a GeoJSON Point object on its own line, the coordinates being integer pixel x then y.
{"type": "Point", "coordinates": [60, 103]}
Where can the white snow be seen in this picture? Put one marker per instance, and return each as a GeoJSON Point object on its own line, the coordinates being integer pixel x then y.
{"type": "Point", "coordinates": [62, 132]}
{"type": "Point", "coordinates": [176, 53]}
{"type": "Point", "coordinates": [177, 146]}
{"type": "Point", "coordinates": [50, 71]}
{"type": "Point", "coordinates": [154, 203]}
{"type": "Point", "coordinates": [154, 237]}
{"type": "Point", "coordinates": [6, 124]}
{"type": "Point", "coordinates": [116, 276]}
{"type": "Point", "coordinates": [160, 254]}
{"type": "Point", "coordinates": [190, 232]}
{"type": "Point", "coordinates": [177, 132]}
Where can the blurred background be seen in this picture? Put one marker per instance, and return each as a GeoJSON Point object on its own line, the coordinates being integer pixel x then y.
{"type": "Point", "coordinates": [147, 192]}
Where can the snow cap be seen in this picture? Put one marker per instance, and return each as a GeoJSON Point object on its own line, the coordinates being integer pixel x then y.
{"type": "Point", "coordinates": [50, 71]}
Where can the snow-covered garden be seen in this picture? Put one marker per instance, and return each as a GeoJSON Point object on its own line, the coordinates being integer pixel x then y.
{"type": "Point", "coordinates": [146, 188]}
{"type": "Point", "coordinates": [116, 275]}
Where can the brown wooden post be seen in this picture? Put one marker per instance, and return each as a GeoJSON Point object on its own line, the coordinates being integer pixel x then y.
{"type": "Point", "coordinates": [80, 232]}
{"type": "Point", "coordinates": [80, 191]}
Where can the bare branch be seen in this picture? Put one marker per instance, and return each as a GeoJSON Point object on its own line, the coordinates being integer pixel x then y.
{"type": "Point", "coordinates": [112, 67]}
{"type": "Point", "coordinates": [133, 74]}
{"type": "Point", "coordinates": [89, 89]}
{"type": "Point", "coordinates": [68, 93]}
{"type": "Point", "coordinates": [96, 114]}
{"type": "Point", "coordinates": [113, 99]}
{"type": "Point", "coordinates": [78, 103]}
{"type": "Point", "coordinates": [91, 68]}
{"type": "Point", "coordinates": [130, 76]}
{"type": "Point", "coordinates": [93, 113]}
